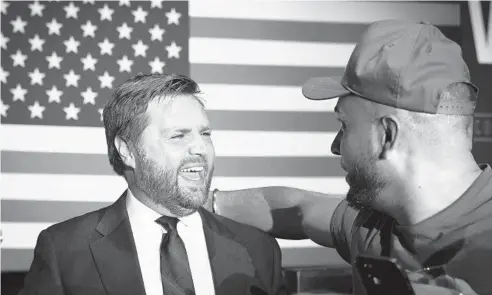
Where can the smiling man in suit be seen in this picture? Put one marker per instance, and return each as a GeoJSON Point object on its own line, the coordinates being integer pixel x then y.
{"type": "Point", "coordinates": [156, 238]}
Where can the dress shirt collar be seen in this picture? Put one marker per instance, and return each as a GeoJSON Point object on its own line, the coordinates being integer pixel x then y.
{"type": "Point", "coordinates": [143, 215]}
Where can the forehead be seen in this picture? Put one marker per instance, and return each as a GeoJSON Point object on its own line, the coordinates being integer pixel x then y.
{"type": "Point", "coordinates": [352, 107]}
{"type": "Point", "coordinates": [180, 111]}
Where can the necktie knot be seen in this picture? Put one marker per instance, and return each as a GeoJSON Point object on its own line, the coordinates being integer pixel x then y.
{"type": "Point", "coordinates": [169, 223]}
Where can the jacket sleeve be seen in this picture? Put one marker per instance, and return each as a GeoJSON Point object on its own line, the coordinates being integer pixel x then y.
{"type": "Point", "coordinates": [43, 277]}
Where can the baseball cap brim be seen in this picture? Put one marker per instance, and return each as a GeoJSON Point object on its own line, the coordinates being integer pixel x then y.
{"type": "Point", "coordinates": [320, 88]}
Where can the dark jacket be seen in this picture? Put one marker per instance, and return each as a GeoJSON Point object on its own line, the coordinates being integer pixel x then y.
{"type": "Point", "coordinates": [95, 254]}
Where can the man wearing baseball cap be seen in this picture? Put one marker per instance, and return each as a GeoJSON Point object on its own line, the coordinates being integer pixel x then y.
{"type": "Point", "coordinates": [416, 194]}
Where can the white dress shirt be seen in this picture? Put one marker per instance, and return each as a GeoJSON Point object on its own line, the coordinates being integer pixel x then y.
{"type": "Point", "coordinates": [148, 235]}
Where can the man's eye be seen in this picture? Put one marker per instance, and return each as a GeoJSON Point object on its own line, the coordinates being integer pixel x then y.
{"type": "Point", "coordinates": [207, 133]}
{"type": "Point", "coordinates": [177, 136]}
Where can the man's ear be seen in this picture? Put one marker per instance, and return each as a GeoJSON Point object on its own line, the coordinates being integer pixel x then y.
{"type": "Point", "coordinates": [388, 126]}
{"type": "Point", "coordinates": [124, 151]}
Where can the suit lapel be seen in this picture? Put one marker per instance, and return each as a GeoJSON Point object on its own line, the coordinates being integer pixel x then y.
{"type": "Point", "coordinates": [115, 253]}
{"type": "Point", "coordinates": [231, 265]}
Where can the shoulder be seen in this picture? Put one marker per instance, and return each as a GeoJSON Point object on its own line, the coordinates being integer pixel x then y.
{"type": "Point", "coordinates": [75, 229]}
{"type": "Point", "coordinates": [244, 233]}
{"type": "Point", "coordinates": [349, 220]}
{"type": "Point", "coordinates": [352, 226]}
{"type": "Point", "coordinates": [473, 262]}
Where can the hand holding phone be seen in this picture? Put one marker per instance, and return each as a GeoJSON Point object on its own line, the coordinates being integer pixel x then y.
{"type": "Point", "coordinates": [383, 276]}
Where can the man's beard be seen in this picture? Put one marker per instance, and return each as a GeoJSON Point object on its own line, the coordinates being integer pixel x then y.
{"type": "Point", "coordinates": [161, 186]}
{"type": "Point", "coordinates": [365, 183]}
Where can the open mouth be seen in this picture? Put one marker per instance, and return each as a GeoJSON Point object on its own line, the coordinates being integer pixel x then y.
{"type": "Point", "coordinates": [193, 173]}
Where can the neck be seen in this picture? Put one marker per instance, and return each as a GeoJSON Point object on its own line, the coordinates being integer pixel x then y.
{"type": "Point", "coordinates": [430, 187]}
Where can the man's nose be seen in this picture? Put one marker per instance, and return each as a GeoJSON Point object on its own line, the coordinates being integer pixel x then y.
{"type": "Point", "coordinates": [198, 146]}
{"type": "Point", "coordinates": [335, 145]}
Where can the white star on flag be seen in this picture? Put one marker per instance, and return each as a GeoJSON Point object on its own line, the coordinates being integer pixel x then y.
{"type": "Point", "coordinates": [4, 5]}
{"type": "Point", "coordinates": [106, 13]}
{"type": "Point", "coordinates": [19, 59]}
{"type": "Point", "coordinates": [139, 15]}
{"type": "Point", "coordinates": [72, 79]}
{"type": "Point", "coordinates": [36, 43]}
{"type": "Point", "coordinates": [19, 25]}
{"type": "Point", "coordinates": [36, 8]}
{"type": "Point", "coordinates": [140, 48]}
{"type": "Point", "coordinates": [157, 65]}
{"type": "Point", "coordinates": [156, 33]}
{"type": "Point", "coordinates": [36, 77]}
{"type": "Point", "coordinates": [173, 17]}
{"type": "Point", "coordinates": [156, 3]}
{"type": "Point", "coordinates": [173, 50]}
{"type": "Point", "coordinates": [89, 96]}
{"type": "Point", "coordinates": [54, 94]}
{"type": "Point", "coordinates": [19, 93]}
{"type": "Point", "coordinates": [4, 40]}
{"type": "Point", "coordinates": [71, 112]}
{"type": "Point", "coordinates": [125, 3]}
{"type": "Point", "coordinates": [106, 80]}
{"type": "Point", "coordinates": [89, 62]}
{"type": "Point", "coordinates": [89, 29]}
{"type": "Point", "coordinates": [125, 64]}
{"type": "Point", "coordinates": [3, 75]}
{"type": "Point", "coordinates": [3, 108]}
{"type": "Point", "coordinates": [71, 11]}
{"type": "Point", "coordinates": [54, 27]}
{"type": "Point", "coordinates": [62, 52]}
{"type": "Point", "coordinates": [72, 45]}
{"type": "Point", "coordinates": [54, 60]}
{"type": "Point", "coordinates": [106, 47]}
{"type": "Point", "coordinates": [36, 110]}
{"type": "Point", "coordinates": [124, 31]}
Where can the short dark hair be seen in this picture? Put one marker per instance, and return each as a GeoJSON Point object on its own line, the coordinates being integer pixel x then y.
{"type": "Point", "coordinates": [124, 115]}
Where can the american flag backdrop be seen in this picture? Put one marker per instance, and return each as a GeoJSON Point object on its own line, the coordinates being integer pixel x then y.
{"type": "Point", "coordinates": [60, 62]}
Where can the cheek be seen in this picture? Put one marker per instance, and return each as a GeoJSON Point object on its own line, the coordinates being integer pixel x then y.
{"type": "Point", "coordinates": [347, 142]}
{"type": "Point", "coordinates": [352, 148]}
{"type": "Point", "coordinates": [165, 156]}
{"type": "Point", "coordinates": [173, 158]}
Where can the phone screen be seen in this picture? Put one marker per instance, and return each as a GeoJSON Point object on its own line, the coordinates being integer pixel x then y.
{"type": "Point", "coordinates": [383, 276]}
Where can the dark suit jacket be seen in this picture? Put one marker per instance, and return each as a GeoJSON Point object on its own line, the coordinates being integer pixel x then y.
{"type": "Point", "coordinates": [95, 254]}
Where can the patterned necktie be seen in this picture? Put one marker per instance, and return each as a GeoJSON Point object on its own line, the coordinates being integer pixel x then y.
{"type": "Point", "coordinates": [175, 269]}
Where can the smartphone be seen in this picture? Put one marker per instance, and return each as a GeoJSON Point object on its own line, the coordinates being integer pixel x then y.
{"type": "Point", "coordinates": [383, 276]}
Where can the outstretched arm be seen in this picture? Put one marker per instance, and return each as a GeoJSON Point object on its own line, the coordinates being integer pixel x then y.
{"type": "Point", "coordinates": [284, 212]}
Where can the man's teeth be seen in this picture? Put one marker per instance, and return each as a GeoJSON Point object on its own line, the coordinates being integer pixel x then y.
{"type": "Point", "coordinates": [193, 169]}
